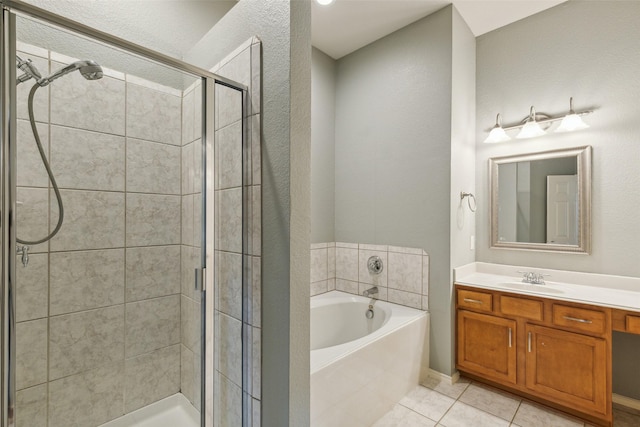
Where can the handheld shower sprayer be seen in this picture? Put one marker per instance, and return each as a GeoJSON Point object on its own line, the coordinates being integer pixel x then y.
{"type": "Point", "coordinates": [89, 69]}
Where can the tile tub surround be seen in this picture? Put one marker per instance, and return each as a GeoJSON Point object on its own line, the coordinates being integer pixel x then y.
{"type": "Point", "coordinates": [438, 403]}
{"type": "Point", "coordinates": [106, 309]}
{"type": "Point", "coordinates": [404, 279]}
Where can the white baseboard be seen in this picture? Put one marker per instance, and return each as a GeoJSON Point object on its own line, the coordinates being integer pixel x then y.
{"type": "Point", "coordinates": [440, 376]}
{"type": "Point", "coordinates": [629, 402]}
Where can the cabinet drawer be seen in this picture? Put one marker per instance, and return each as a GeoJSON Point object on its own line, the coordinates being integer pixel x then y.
{"type": "Point", "coordinates": [521, 307]}
{"type": "Point", "coordinates": [475, 300]}
{"type": "Point", "coordinates": [633, 324]}
{"type": "Point", "coordinates": [582, 319]}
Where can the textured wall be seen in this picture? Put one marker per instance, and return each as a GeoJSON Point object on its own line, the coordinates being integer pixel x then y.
{"type": "Point", "coordinates": [323, 170]}
{"type": "Point", "coordinates": [393, 153]}
{"type": "Point", "coordinates": [593, 56]}
{"type": "Point", "coordinates": [594, 59]}
{"type": "Point", "coordinates": [462, 225]}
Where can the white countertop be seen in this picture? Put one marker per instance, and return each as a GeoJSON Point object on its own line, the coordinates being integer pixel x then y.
{"type": "Point", "coordinates": [598, 289]}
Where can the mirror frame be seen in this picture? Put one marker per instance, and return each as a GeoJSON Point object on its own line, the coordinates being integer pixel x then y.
{"type": "Point", "coordinates": [583, 156]}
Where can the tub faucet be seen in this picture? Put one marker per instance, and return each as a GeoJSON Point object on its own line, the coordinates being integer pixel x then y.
{"type": "Point", "coordinates": [371, 292]}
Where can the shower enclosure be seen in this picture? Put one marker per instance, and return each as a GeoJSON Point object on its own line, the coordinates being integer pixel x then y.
{"type": "Point", "coordinates": [108, 154]}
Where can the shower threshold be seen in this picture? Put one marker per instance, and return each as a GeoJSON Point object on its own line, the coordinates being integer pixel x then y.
{"type": "Point", "coordinates": [171, 411]}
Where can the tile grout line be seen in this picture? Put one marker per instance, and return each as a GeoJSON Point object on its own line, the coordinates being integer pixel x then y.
{"type": "Point", "coordinates": [416, 412]}
{"type": "Point", "coordinates": [452, 405]}
{"type": "Point", "coordinates": [516, 413]}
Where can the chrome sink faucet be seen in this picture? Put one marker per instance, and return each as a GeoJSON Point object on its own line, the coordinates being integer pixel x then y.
{"type": "Point", "coordinates": [533, 278]}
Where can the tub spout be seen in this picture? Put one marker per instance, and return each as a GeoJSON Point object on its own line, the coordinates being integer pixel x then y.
{"type": "Point", "coordinates": [371, 292]}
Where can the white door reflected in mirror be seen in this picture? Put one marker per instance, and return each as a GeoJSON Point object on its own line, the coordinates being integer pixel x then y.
{"type": "Point", "coordinates": [562, 209]}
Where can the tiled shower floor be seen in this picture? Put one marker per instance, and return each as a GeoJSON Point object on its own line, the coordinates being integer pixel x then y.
{"type": "Point", "coordinates": [471, 404]}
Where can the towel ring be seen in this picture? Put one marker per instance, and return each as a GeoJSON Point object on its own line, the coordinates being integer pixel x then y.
{"type": "Point", "coordinates": [470, 196]}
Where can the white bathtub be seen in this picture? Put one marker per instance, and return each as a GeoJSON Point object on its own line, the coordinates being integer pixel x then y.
{"type": "Point", "coordinates": [360, 368]}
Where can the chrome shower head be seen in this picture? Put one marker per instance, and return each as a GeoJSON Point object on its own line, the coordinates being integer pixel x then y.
{"type": "Point", "coordinates": [89, 69]}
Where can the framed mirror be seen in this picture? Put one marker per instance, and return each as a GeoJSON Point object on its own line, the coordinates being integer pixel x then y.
{"type": "Point", "coordinates": [542, 201]}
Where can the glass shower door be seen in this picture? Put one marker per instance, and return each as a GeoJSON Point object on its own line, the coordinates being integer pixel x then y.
{"type": "Point", "coordinates": [108, 319]}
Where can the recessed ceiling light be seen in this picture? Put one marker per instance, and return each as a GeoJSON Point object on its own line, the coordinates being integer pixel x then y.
{"type": "Point", "coordinates": [324, 2]}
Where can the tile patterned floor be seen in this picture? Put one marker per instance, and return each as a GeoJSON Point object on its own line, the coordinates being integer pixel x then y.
{"type": "Point", "coordinates": [471, 404]}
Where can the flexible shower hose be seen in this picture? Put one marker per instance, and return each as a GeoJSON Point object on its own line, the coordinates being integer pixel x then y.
{"type": "Point", "coordinates": [48, 168]}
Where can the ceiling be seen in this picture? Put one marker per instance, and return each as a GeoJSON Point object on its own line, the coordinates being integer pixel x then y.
{"type": "Point", "coordinates": [347, 25]}
{"type": "Point", "coordinates": [171, 27]}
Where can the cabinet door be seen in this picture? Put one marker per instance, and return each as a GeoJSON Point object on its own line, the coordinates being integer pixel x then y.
{"type": "Point", "coordinates": [487, 346]}
{"type": "Point", "coordinates": [567, 367]}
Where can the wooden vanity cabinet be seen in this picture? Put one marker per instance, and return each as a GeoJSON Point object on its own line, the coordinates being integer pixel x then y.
{"type": "Point", "coordinates": [626, 321]}
{"type": "Point", "coordinates": [486, 345]}
{"type": "Point", "coordinates": [567, 367]}
{"type": "Point", "coordinates": [552, 351]}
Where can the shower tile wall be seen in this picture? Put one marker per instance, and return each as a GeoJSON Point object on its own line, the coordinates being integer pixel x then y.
{"type": "Point", "coordinates": [100, 331]}
{"type": "Point", "coordinates": [339, 266]}
{"type": "Point", "coordinates": [238, 183]}
{"type": "Point", "coordinates": [191, 206]}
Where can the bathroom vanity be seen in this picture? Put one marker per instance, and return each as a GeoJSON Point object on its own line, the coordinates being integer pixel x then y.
{"type": "Point", "coordinates": [548, 342]}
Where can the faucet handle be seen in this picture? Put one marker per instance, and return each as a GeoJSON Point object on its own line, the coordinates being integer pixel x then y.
{"type": "Point", "coordinates": [539, 278]}
{"type": "Point", "coordinates": [533, 277]}
{"type": "Point", "coordinates": [526, 276]}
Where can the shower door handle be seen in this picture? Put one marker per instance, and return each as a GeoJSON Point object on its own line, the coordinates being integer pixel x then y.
{"type": "Point", "coordinates": [199, 279]}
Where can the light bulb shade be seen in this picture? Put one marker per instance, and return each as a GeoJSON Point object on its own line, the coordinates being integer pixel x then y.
{"type": "Point", "coordinates": [497, 134]}
{"type": "Point", "coordinates": [324, 2]}
{"type": "Point", "coordinates": [530, 129]}
{"type": "Point", "coordinates": [571, 122]}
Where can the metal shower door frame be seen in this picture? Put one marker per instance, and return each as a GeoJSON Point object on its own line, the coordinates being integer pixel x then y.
{"type": "Point", "coordinates": [8, 181]}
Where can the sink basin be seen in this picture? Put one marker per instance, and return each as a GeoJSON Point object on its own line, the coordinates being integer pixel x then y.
{"type": "Point", "coordinates": [543, 289]}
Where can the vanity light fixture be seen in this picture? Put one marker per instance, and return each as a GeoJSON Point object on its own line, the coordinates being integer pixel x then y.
{"type": "Point", "coordinates": [531, 127]}
{"type": "Point", "coordinates": [324, 2]}
{"type": "Point", "coordinates": [536, 124]}
{"type": "Point", "coordinates": [571, 121]}
{"type": "Point", "coordinates": [497, 134]}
